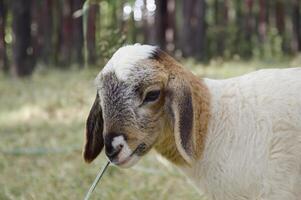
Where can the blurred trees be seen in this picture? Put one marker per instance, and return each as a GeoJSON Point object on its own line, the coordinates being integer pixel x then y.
{"type": "Point", "coordinates": [194, 28]}
{"type": "Point", "coordinates": [23, 60]}
{"type": "Point", "coordinates": [52, 33]}
{"type": "Point", "coordinates": [91, 33]}
{"type": "Point", "coordinates": [296, 24]}
{"type": "Point", "coordinates": [3, 54]}
{"type": "Point", "coordinates": [161, 18]}
{"type": "Point", "coordinates": [43, 30]}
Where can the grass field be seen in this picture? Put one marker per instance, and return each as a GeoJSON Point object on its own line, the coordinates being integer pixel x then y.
{"type": "Point", "coordinates": [41, 136]}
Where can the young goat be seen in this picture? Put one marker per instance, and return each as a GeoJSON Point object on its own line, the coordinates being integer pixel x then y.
{"type": "Point", "coordinates": [238, 138]}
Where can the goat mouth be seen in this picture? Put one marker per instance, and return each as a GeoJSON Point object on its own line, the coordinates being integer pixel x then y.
{"type": "Point", "coordinates": [128, 162]}
{"type": "Point", "coordinates": [133, 157]}
{"type": "Point", "coordinates": [141, 149]}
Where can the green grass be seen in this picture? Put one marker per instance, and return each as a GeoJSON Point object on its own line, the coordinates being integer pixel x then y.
{"type": "Point", "coordinates": [42, 130]}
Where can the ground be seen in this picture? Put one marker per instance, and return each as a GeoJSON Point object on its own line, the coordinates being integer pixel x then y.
{"type": "Point", "coordinates": [42, 130]}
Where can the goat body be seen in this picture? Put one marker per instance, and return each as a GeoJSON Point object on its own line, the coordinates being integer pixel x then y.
{"type": "Point", "coordinates": [253, 143]}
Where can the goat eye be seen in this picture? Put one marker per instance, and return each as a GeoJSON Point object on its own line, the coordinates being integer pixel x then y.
{"type": "Point", "coordinates": [151, 96]}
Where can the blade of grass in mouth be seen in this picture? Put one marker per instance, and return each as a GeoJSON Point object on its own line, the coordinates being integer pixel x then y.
{"type": "Point", "coordinates": [97, 179]}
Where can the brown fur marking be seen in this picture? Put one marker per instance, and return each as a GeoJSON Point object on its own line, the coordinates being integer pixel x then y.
{"type": "Point", "coordinates": [166, 145]}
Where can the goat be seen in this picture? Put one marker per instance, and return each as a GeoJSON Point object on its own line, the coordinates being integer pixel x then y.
{"type": "Point", "coordinates": [238, 138]}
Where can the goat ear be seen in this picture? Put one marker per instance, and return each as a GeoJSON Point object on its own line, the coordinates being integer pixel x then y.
{"type": "Point", "coordinates": [94, 128]}
{"type": "Point", "coordinates": [181, 109]}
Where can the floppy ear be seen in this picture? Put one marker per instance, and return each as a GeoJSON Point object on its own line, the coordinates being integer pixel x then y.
{"type": "Point", "coordinates": [94, 128]}
{"type": "Point", "coordinates": [181, 109]}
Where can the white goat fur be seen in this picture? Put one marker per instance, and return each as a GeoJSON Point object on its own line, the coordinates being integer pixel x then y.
{"type": "Point", "coordinates": [125, 58]}
{"type": "Point", "coordinates": [253, 144]}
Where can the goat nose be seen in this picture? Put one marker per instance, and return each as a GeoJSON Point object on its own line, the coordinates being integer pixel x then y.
{"type": "Point", "coordinates": [112, 152]}
{"type": "Point", "coordinates": [113, 144]}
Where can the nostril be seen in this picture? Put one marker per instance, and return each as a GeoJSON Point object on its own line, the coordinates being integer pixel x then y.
{"type": "Point", "coordinates": [112, 152]}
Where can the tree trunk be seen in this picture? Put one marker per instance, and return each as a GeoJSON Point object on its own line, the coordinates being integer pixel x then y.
{"type": "Point", "coordinates": [91, 33]}
{"type": "Point", "coordinates": [194, 28]}
{"type": "Point", "coordinates": [249, 19]}
{"type": "Point", "coordinates": [220, 24]}
{"type": "Point", "coordinates": [200, 36]}
{"type": "Point", "coordinates": [161, 22]}
{"type": "Point", "coordinates": [262, 20]}
{"type": "Point", "coordinates": [56, 31]}
{"type": "Point", "coordinates": [132, 31]}
{"type": "Point", "coordinates": [296, 24]}
{"type": "Point", "coordinates": [3, 54]}
{"type": "Point", "coordinates": [23, 59]}
{"type": "Point", "coordinates": [47, 30]}
{"type": "Point", "coordinates": [187, 28]}
{"type": "Point", "coordinates": [280, 22]}
{"type": "Point", "coordinates": [145, 25]}
{"type": "Point", "coordinates": [268, 5]}
{"type": "Point", "coordinates": [36, 24]}
{"type": "Point", "coordinates": [170, 29]}
{"type": "Point", "coordinates": [249, 28]}
{"type": "Point", "coordinates": [38, 32]}
{"type": "Point", "coordinates": [66, 34]}
{"type": "Point", "coordinates": [239, 24]}
{"type": "Point", "coordinates": [150, 30]}
{"type": "Point", "coordinates": [78, 41]}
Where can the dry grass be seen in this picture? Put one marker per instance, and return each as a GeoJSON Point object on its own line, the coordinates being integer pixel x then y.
{"type": "Point", "coordinates": [41, 131]}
